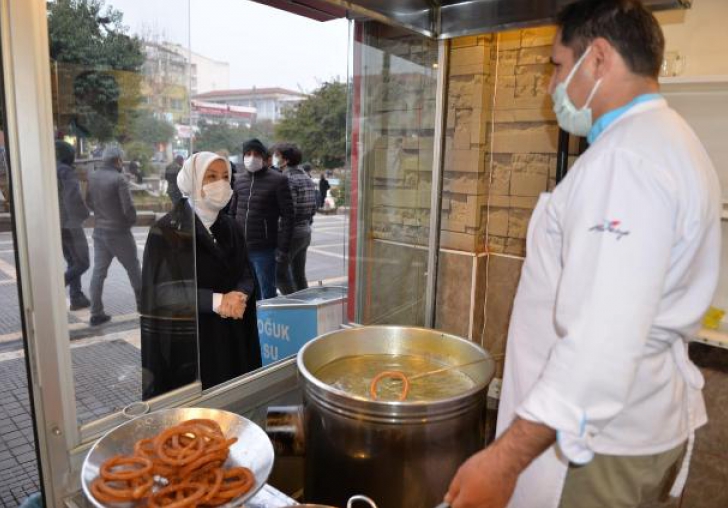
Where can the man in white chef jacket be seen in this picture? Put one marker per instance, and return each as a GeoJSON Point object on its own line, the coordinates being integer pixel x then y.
{"type": "Point", "coordinates": [600, 401]}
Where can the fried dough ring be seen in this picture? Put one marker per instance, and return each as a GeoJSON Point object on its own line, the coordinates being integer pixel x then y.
{"type": "Point", "coordinates": [392, 374]}
{"type": "Point", "coordinates": [107, 472]}
{"type": "Point", "coordinates": [160, 446]}
{"type": "Point", "coordinates": [105, 497]}
{"type": "Point", "coordinates": [187, 459]}
{"type": "Point", "coordinates": [158, 499]}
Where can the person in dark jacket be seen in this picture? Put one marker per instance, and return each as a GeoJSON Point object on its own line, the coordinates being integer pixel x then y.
{"type": "Point", "coordinates": [261, 200]}
{"type": "Point", "coordinates": [324, 187]}
{"type": "Point", "coordinates": [196, 242]}
{"type": "Point", "coordinates": [291, 276]}
{"type": "Point", "coordinates": [73, 212]}
{"type": "Point", "coordinates": [136, 172]}
{"type": "Point", "coordinates": [170, 174]}
{"type": "Point", "coordinates": [114, 215]}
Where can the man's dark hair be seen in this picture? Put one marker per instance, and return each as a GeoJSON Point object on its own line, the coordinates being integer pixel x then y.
{"type": "Point", "coordinates": [290, 152]}
{"type": "Point", "coordinates": [626, 24]}
{"type": "Point", "coordinates": [65, 153]}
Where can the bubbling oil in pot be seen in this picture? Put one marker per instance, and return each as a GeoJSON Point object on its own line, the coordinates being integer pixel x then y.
{"type": "Point", "coordinates": [354, 374]}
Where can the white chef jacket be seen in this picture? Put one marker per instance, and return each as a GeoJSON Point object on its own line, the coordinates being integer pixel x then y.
{"type": "Point", "coordinates": [622, 262]}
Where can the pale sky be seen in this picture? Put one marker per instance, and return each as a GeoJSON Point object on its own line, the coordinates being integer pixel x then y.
{"type": "Point", "coordinates": [265, 47]}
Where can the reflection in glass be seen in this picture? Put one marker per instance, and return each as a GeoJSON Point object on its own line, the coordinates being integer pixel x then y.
{"type": "Point", "coordinates": [395, 84]}
{"type": "Point", "coordinates": [19, 476]}
{"type": "Point", "coordinates": [224, 293]}
{"type": "Point", "coordinates": [121, 108]}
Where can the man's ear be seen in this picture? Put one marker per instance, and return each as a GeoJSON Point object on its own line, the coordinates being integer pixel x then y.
{"type": "Point", "coordinates": [604, 57]}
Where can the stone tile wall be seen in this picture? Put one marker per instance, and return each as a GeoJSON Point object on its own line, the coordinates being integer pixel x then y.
{"type": "Point", "coordinates": [500, 155]}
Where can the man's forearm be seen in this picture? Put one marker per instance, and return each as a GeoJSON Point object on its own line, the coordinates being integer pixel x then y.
{"type": "Point", "coordinates": [523, 442]}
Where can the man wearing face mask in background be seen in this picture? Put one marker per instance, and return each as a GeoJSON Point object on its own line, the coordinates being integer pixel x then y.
{"type": "Point", "coordinates": [600, 401]}
{"type": "Point", "coordinates": [263, 206]}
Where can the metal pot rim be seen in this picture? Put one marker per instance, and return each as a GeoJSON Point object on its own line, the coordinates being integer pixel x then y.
{"type": "Point", "coordinates": [394, 406]}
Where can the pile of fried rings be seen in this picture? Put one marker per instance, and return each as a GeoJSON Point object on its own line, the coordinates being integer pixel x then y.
{"type": "Point", "coordinates": [180, 467]}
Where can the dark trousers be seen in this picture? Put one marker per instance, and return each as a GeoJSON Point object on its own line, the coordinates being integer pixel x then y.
{"type": "Point", "coordinates": [110, 244]}
{"type": "Point", "coordinates": [264, 265]}
{"type": "Point", "coordinates": [291, 277]}
{"type": "Point", "coordinates": [75, 251]}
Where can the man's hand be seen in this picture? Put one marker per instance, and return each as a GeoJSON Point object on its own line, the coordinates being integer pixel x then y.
{"type": "Point", "coordinates": [233, 305]}
{"type": "Point", "coordinates": [484, 481]}
{"type": "Point", "coordinates": [488, 478]}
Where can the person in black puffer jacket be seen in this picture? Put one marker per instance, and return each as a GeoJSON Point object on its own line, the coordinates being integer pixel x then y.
{"type": "Point", "coordinates": [263, 206]}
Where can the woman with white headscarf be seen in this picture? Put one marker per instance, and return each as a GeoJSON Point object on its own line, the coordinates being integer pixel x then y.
{"type": "Point", "coordinates": [197, 280]}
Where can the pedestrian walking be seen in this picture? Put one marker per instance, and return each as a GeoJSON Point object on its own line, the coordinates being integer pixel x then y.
{"type": "Point", "coordinates": [73, 212]}
{"type": "Point", "coordinates": [114, 215]}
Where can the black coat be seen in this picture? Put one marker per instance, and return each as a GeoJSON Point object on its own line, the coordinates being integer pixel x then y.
{"type": "Point", "coordinates": [171, 301]}
{"type": "Point", "coordinates": [259, 200]}
{"type": "Point", "coordinates": [73, 210]}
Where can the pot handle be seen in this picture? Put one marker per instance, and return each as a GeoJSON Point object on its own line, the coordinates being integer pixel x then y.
{"type": "Point", "coordinates": [364, 499]}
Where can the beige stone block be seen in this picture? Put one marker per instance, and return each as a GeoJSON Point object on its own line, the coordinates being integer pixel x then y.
{"type": "Point", "coordinates": [409, 162]}
{"type": "Point", "coordinates": [479, 126]}
{"type": "Point", "coordinates": [525, 139]}
{"type": "Point", "coordinates": [461, 139]}
{"type": "Point", "coordinates": [403, 198]}
{"type": "Point", "coordinates": [495, 201]}
{"type": "Point", "coordinates": [500, 180]}
{"type": "Point", "coordinates": [470, 70]}
{"type": "Point", "coordinates": [424, 161]}
{"type": "Point", "coordinates": [464, 42]}
{"type": "Point", "coordinates": [525, 202]}
{"type": "Point", "coordinates": [503, 275]}
{"type": "Point", "coordinates": [522, 115]}
{"type": "Point", "coordinates": [457, 241]}
{"type": "Point", "coordinates": [463, 183]}
{"type": "Point", "coordinates": [518, 222]}
{"type": "Point", "coordinates": [454, 225]}
{"type": "Point", "coordinates": [445, 205]}
{"type": "Point", "coordinates": [473, 55]}
{"type": "Point", "coordinates": [516, 247]}
{"type": "Point", "coordinates": [498, 221]}
{"type": "Point", "coordinates": [387, 163]}
{"type": "Point", "coordinates": [534, 55]}
{"type": "Point", "coordinates": [509, 40]}
{"type": "Point", "coordinates": [451, 115]}
{"type": "Point", "coordinates": [454, 282]}
{"type": "Point", "coordinates": [410, 142]}
{"type": "Point", "coordinates": [473, 215]}
{"type": "Point", "coordinates": [497, 244]}
{"type": "Point", "coordinates": [466, 161]}
{"type": "Point", "coordinates": [532, 80]}
{"type": "Point", "coordinates": [529, 181]}
{"type": "Point", "coordinates": [540, 36]}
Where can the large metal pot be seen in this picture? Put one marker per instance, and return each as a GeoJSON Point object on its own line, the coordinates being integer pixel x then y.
{"type": "Point", "coordinates": [402, 454]}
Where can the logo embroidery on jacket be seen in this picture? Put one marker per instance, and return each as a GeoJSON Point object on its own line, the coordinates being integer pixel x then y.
{"type": "Point", "coordinates": [610, 226]}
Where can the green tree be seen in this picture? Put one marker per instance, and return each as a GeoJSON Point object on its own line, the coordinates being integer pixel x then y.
{"type": "Point", "coordinates": [318, 125]}
{"type": "Point", "coordinates": [148, 129]}
{"type": "Point", "coordinates": [217, 136]}
{"type": "Point", "coordinates": [97, 63]}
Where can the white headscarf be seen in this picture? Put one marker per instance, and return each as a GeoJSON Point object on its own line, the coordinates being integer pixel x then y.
{"type": "Point", "coordinates": [189, 181]}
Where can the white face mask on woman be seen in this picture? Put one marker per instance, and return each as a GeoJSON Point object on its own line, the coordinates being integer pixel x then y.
{"type": "Point", "coordinates": [574, 121]}
{"type": "Point", "coordinates": [217, 194]}
{"type": "Point", "coordinates": [253, 163]}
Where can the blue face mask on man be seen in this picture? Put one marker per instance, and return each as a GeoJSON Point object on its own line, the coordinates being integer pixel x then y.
{"type": "Point", "coordinates": [573, 120]}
